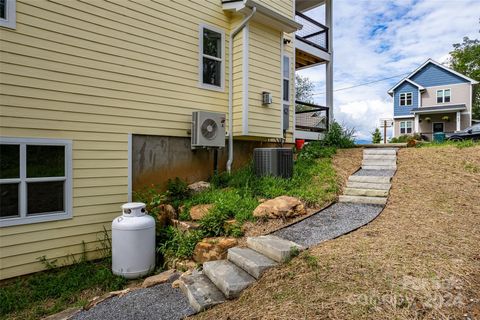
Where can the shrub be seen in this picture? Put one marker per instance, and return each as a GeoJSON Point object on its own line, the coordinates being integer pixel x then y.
{"type": "Point", "coordinates": [405, 138]}
{"type": "Point", "coordinates": [339, 137]}
{"type": "Point", "coordinates": [177, 190]}
{"type": "Point", "coordinates": [174, 243]}
{"type": "Point", "coordinates": [213, 223]}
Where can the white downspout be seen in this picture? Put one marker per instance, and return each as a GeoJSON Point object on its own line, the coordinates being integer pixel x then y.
{"type": "Point", "coordinates": [230, 87]}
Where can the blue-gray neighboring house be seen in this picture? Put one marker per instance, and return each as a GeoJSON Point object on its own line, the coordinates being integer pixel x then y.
{"type": "Point", "coordinates": [433, 98]}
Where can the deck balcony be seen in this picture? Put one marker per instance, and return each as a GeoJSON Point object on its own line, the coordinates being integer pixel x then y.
{"type": "Point", "coordinates": [311, 121]}
{"type": "Point", "coordinates": [312, 43]}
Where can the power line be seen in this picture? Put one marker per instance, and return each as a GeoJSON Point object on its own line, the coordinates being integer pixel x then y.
{"type": "Point", "coordinates": [363, 84]}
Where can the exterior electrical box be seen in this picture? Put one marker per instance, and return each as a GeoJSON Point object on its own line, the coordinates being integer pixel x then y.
{"type": "Point", "coordinates": [267, 98]}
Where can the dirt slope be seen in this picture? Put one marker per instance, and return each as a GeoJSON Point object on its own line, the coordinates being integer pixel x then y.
{"type": "Point", "coordinates": [419, 259]}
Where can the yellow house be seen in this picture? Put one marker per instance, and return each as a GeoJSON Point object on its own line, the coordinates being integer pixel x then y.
{"type": "Point", "coordinates": [97, 99]}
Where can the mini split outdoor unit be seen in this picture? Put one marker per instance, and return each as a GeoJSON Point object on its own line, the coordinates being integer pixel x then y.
{"type": "Point", "coordinates": [276, 162]}
{"type": "Point", "coordinates": [208, 130]}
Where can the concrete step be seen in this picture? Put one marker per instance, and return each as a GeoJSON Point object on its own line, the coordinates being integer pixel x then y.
{"type": "Point", "coordinates": [379, 162]}
{"type": "Point", "coordinates": [365, 192]}
{"type": "Point", "coordinates": [379, 167]}
{"type": "Point", "coordinates": [379, 157]}
{"type": "Point", "coordinates": [201, 292]}
{"type": "Point", "coordinates": [229, 278]}
{"type": "Point", "coordinates": [273, 247]}
{"type": "Point", "coordinates": [367, 185]}
{"type": "Point", "coordinates": [251, 261]}
{"type": "Point", "coordinates": [380, 151]}
{"type": "Point", "coordinates": [362, 199]}
{"type": "Point", "coordinates": [369, 179]}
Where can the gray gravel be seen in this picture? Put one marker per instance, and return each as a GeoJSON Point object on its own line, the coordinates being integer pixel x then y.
{"type": "Point", "coordinates": [161, 302]}
{"type": "Point", "coordinates": [382, 173]}
{"type": "Point", "coordinates": [336, 220]}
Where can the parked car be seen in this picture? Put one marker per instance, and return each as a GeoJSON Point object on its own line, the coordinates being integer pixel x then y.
{"type": "Point", "coordinates": [472, 132]}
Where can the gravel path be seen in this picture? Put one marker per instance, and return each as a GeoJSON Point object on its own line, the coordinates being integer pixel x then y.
{"type": "Point", "coordinates": [161, 302]}
{"type": "Point", "coordinates": [382, 173]}
{"type": "Point", "coordinates": [336, 220]}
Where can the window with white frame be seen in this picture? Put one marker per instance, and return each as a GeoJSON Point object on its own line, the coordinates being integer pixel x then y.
{"type": "Point", "coordinates": [286, 78]}
{"type": "Point", "coordinates": [406, 98]}
{"type": "Point", "coordinates": [212, 57]}
{"type": "Point", "coordinates": [35, 180]}
{"type": "Point", "coordinates": [443, 95]}
{"type": "Point", "coordinates": [406, 127]}
{"type": "Point", "coordinates": [7, 14]}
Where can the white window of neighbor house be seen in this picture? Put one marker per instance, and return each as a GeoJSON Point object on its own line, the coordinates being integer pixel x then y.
{"type": "Point", "coordinates": [286, 78]}
{"type": "Point", "coordinates": [212, 58]}
{"type": "Point", "coordinates": [8, 14]}
{"type": "Point", "coordinates": [406, 99]}
{"type": "Point", "coordinates": [35, 180]}
{"type": "Point", "coordinates": [443, 95]}
{"type": "Point", "coordinates": [406, 127]}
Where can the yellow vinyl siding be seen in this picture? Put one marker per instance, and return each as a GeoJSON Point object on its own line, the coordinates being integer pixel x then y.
{"type": "Point", "coordinates": [284, 7]}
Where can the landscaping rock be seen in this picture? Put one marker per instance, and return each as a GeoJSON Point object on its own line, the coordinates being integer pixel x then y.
{"type": "Point", "coordinates": [166, 214]}
{"type": "Point", "coordinates": [199, 211]}
{"type": "Point", "coordinates": [186, 265]}
{"type": "Point", "coordinates": [280, 207]}
{"type": "Point", "coordinates": [160, 278]}
{"type": "Point", "coordinates": [229, 278]}
{"type": "Point", "coordinates": [273, 247]}
{"type": "Point", "coordinates": [96, 300]}
{"type": "Point", "coordinates": [198, 186]}
{"type": "Point", "coordinates": [185, 225]}
{"type": "Point", "coordinates": [210, 249]}
{"type": "Point", "coordinates": [201, 292]}
{"type": "Point", "coordinates": [64, 315]}
{"type": "Point", "coordinates": [251, 261]}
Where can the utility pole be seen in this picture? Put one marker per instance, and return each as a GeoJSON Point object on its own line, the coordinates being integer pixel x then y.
{"type": "Point", "coordinates": [385, 123]}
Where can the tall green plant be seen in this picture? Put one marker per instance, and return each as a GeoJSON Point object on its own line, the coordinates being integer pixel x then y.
{"type": "Point", "coordinates": [376, 136]}
{"type": "Point", "coordinates": [339, 137]}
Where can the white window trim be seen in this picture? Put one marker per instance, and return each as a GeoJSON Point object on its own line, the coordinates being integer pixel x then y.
{"type": "Point", "coordinates": [11, 15]}
{"type": "Point", "coordinates": [406, 126]}
{"type": "Point", "coordinates": [286, 78]}
{"type": "Point", "coordinates": [400, 99]}
{"type": "Point", "coordinates": [201, 55]}
{"type": "Point", "coordinates": [22, 180]}
{"type": "Point", "coordinates": [443, 95]}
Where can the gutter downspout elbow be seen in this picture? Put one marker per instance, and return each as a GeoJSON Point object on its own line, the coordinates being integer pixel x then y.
{"type": "Point", "coordinates": [230, 87]}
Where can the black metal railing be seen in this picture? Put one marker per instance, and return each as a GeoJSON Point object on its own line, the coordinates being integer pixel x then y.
{"type": "Point", "coordinates": [311, 117]}
{"type": "Point", "coordinates": [313, 32]}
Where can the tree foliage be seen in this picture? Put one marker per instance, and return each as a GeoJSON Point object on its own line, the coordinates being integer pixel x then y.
{"type": "Point", "coordinates": [376, 136]}
{"type": "Point", "coordinates": [465, 58]}
{"type": "Point", "coordinates": [304, 89]}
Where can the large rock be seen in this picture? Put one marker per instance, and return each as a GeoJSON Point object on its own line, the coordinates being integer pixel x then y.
{"type": "Point", "coordinates": [199, 186]}
{"type": "Point", "coordinates": [165, 214]}
{"type": "Point", "coordinates": [185, 225]}
{"type": "Point", "coordinates": [199, 211]}
{"type": "Point", "coordinates": [210, 249]}
{"type": "Point", "coordinates": [163, 277]}
{"type": "Point", "coordinates": [280, 207]}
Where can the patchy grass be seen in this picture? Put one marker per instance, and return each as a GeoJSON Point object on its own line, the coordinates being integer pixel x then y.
{"type": "Point", "coordinates": [458, 144]}
{"type": "Point", "coordinates": [418, 260]}
{"type": "Point", "coordinates": [51, 291]}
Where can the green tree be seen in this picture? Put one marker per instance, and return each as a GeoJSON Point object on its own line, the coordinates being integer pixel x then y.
{"type": "Point", "coordinates": [465, 58]}
{"type": "Point", "coordinates": [376, 136]}
{"type": "Point", "coordinates": [303, 91]}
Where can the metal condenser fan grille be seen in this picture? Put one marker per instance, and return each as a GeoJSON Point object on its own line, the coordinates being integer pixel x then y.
{"type": "Point", "coordinates": [209, 129]}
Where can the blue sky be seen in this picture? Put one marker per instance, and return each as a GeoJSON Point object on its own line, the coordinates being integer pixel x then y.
{"type": "Point", "coordinates": [376, 39]}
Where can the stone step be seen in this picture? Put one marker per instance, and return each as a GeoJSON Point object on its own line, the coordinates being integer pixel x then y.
{"type": "Point", "coordinates": [275, 248]}
{"type": "Point", "coordinates": [229, 278]}
{"type": "Point", "coordinates": [369, 179]}
{"type": "Point", "coordinates": [379, 162]}
{"type": "Point", "coordinates": [379, 167]}
{"type": "Point", "coordinates": [365, 192]}
{"type": "Point", "coordinates": [362, 199]}
{"type": "Point", "coordinates": [251, 261]}
{"type": "Point", "coordinates": [200, 291]}
{"type": "Point", "coordinates": [379, 157]}
{"type": "Point", "coordinates": [367, 185]}
{"type": "Point", "coordinates": [380, 151]}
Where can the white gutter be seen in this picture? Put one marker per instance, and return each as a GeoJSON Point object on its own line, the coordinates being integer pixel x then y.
{"type": "Point", "coordinates": [230, 87]}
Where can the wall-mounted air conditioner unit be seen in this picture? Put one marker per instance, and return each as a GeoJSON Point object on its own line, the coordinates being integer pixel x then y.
{"type": "Point", "coordinates": [208, 129]}
{"type": "Point", "coordinates": [273, 162]}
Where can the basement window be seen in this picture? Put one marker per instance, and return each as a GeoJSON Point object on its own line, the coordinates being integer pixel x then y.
{"type": "Point", "coordinates": [443, 95]}
{"type": "Point", "coordinates": [406, 99]}
{"type": "Point", "coordinates": [35, 180]}
{"type": "Point", "coordinates": [212, 58]}
{"type": "Point", "coordinates": [8, 14]}
{"type": "Point", "coordinates": [406, 127]}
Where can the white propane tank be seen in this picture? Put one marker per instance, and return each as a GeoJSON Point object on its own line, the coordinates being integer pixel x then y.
{"type": "Point", "coordinates": [133, 242]}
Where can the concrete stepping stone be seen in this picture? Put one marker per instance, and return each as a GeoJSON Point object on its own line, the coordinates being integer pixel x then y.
{"type": "Point", "coordinates": [251, 261]}
{"type": "Point", "coordinates": [370, 179]}
{"type": "Point", "coordinates": [229, 278]}
{"type": "Point", "coordinates": [375, 162]}
{"type": "Point", "coordinates": [379, 167]}
{"type": "Point", "coordinates": [380, 151]}
{"type": "Point", "coordinates": [200, 291]}
{"type": "Point", "coordinates": [363, 199]}
{"type": "Point", "coordinates": [365, 192]}
{"type": "Point", "coordinates": [368, 185]}
{"type": "Point", "coordinates": [379, 157]}
{"type": "Point", "coordinates": [275, 248]}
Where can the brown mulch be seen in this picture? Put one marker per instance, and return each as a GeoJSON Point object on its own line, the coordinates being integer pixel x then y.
{"type": "Point", "coordinates": [345, 162]}
{"type": "Point", "coordinates": [420, 259]}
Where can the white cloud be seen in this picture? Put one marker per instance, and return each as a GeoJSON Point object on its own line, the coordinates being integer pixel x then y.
{"type": "Point", "coordinates": [380, 39]}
